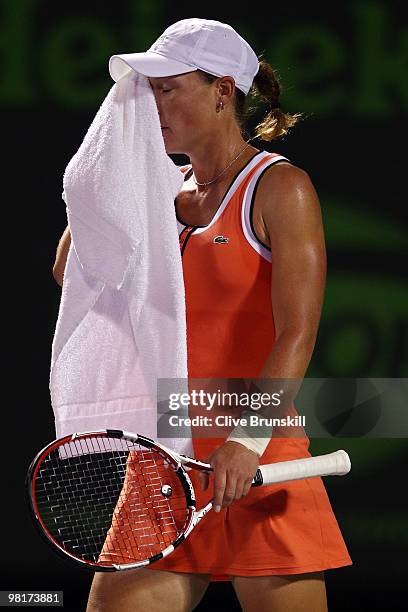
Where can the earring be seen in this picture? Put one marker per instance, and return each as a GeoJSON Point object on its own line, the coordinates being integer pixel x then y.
{"type": "Point", "coordinates": [220, 106]}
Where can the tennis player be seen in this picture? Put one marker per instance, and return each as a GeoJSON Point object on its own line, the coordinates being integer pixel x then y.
{"type": "Point", "coordinates": [254, 267]}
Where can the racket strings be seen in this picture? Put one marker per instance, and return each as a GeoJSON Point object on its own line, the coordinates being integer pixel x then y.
{"type": "Point", "coordinates": [106, 500]}
{"type": "Point", "coordinates": [145, 520]}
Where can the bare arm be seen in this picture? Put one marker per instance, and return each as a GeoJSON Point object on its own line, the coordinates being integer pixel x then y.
{"type": "Point", "coordinates": [292, 217]}
{"type": "Point", "coordinates": [61, 256]}
{"type": "Point", "coordinates": [293, 220]}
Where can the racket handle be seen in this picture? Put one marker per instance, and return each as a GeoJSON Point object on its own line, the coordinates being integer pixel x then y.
{"type": "Point", "coordinates": [337, 463]}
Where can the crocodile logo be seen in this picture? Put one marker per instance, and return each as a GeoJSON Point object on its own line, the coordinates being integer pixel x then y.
{"type": "Point", "coordinates": [220, 240]}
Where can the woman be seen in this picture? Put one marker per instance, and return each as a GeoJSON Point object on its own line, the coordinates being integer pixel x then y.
{"type": "Point", "coordinates": [254, 267]}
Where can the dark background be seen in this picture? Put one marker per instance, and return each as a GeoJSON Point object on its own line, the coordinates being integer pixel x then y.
{"type": "Point", "coordinates": [344, 66]}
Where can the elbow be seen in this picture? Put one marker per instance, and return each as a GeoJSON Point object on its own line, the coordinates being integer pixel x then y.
{"type": "Point", "coordinates": [299, 343]}
{"type": "Point", "coordinates": [304, 337]}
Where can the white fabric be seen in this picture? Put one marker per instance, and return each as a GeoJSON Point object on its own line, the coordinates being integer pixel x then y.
{"type": "Point", "coordinates": [246, 437]}
{"type": "Point", "coordinates": [247, 205]}
{"type": "Point", "coordinates": [191, 44]}
{"type": "Point", "coordinates": [121, 322]}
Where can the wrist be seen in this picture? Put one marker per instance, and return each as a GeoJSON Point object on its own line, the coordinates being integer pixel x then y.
{"type": "Point", "coordinates": [255, 444]}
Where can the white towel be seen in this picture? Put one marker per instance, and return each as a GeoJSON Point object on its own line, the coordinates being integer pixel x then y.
{"type": "Point", "coordinates": [121, 322]}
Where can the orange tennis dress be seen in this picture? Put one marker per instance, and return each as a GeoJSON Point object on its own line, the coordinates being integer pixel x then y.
{"type": "Point", "coordinates": [278, 529]}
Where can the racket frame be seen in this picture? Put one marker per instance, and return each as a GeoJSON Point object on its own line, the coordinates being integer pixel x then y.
{"type": "Point", "coordinates": [338, 463]}
{"type": "Point", "coordinates": [178, 461]}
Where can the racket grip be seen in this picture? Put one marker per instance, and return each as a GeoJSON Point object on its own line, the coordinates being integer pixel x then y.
{"type": "Point", "coordinates": [332, 464]}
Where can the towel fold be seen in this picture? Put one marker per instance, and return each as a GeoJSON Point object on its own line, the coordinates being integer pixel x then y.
{"type": "Point", "coordinates": [121, 322]}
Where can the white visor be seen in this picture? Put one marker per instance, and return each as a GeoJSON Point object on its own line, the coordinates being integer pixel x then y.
{"type": "Point", "coordinates": [149, 63]}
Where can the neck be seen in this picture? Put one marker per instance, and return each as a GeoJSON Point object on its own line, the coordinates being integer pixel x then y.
{"type": "Point", "coordinates": [214, 155]}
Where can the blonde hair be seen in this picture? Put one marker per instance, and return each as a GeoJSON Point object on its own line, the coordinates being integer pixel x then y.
{"type": "Point", "coordinates": [267, 88]}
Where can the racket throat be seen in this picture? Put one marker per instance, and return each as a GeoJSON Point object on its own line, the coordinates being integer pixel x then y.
{"type": "Point", "coordinates": [197, 516]}
{"type": "Point", "coordinates": [258, 479]}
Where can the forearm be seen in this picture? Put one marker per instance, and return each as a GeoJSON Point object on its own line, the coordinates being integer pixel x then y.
{"type": "Point", "coordinates": [290, 356]}
{"type": "Point", "coordinates": [283, 370]}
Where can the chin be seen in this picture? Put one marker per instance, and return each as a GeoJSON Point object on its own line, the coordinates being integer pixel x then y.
{"type": "Point", "coordinates": [172, 150]}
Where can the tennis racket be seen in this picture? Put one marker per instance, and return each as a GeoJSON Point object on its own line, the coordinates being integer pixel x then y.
{"type": "Point", "coordinates": [111, 500]}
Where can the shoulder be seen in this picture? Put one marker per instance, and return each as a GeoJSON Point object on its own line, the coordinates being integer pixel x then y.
{"type": "Point", "coordinates": [283, 175]}
{"type": "Point", "coordinates": [285, 188]}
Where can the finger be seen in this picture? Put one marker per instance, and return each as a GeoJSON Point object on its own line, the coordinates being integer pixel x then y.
{"type": "Point", "coordinates": [239, 490]}
{"type": "Point", "coordinates": [230, 490]}
{"type": "Point", "coordinates": [220, 479]}
{"type": "Point", "coordinates": [247, 487]}
{"type": "Point", "coordinates": [204, 480]}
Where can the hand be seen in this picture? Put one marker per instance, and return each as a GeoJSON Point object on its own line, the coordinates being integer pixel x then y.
{"type": "Point", "coordinates": [234, 467]}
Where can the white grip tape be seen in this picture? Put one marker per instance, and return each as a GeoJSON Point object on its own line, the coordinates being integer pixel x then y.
{"type": "Point", "coordinates": [337, 463]}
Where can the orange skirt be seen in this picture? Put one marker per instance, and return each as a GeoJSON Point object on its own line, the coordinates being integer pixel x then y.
{"type": "Point", "coordinates": [277, 529]}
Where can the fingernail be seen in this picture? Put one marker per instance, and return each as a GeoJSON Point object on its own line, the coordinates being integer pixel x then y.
{"type": "Point", "coordinates": [217, 508]}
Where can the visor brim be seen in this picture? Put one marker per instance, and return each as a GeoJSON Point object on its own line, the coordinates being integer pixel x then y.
{"type": "Point", "coordinates": [148, 63]}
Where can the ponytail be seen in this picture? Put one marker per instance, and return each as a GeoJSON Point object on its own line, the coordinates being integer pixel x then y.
{"type": "Point", "coordinates": [266, 87]}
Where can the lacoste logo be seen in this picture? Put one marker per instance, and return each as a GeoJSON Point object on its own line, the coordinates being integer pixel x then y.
{"type": "Point", "coordinates": [220, 240]}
